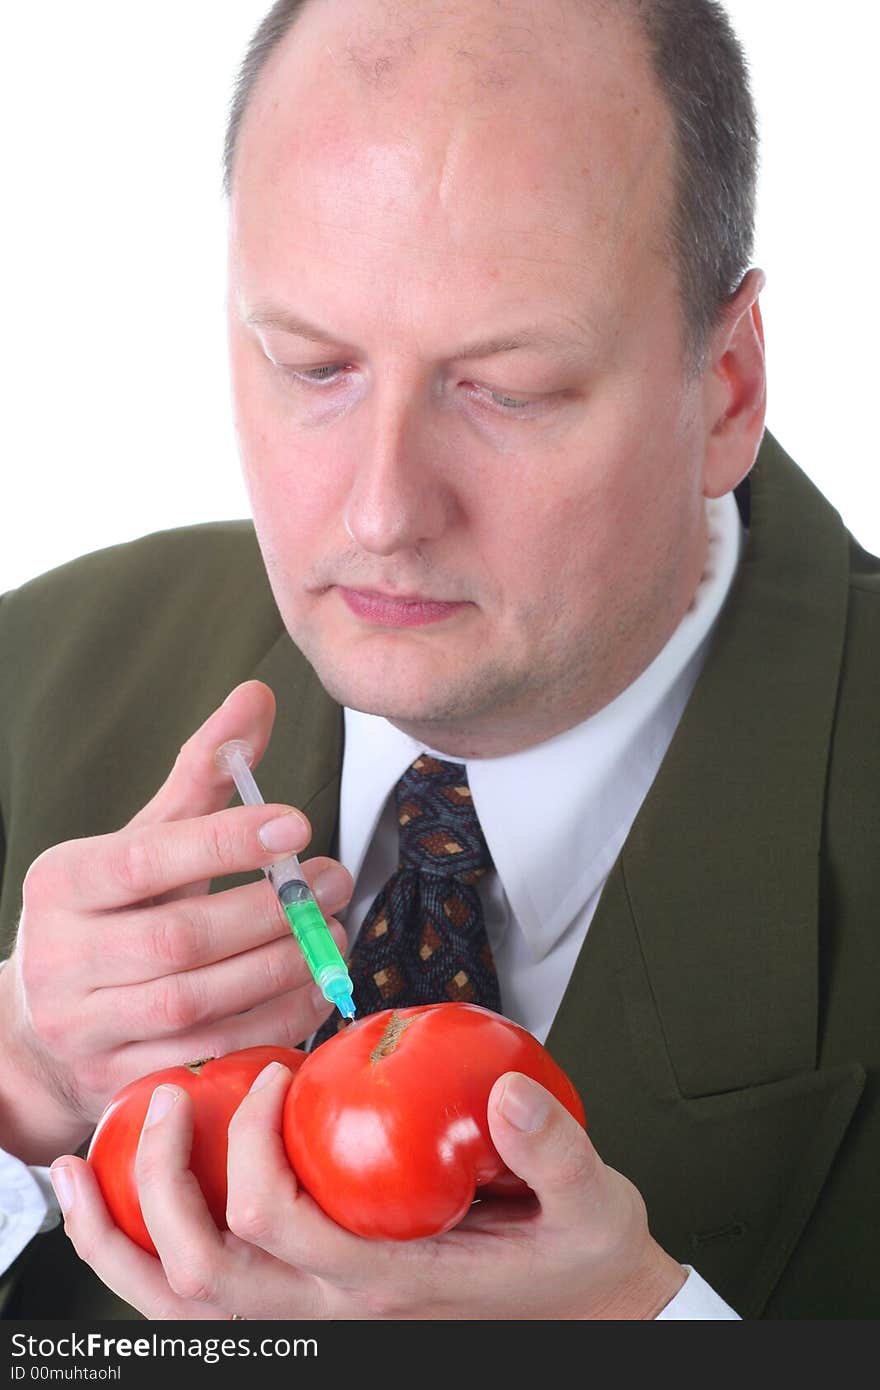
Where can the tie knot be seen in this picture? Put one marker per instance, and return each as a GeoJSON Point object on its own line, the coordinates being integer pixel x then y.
{"type": "Point", "coordinates": [439, 830]}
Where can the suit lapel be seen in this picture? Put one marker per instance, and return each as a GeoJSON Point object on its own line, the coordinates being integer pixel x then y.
{"type": "Point", "coordinates": [722, 865]}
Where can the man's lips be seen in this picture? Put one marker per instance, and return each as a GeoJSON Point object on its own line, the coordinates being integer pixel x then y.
{"type": "Point", "coordinates": [395, 610]}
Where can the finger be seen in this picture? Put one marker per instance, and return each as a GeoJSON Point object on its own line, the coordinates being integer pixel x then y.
{"type": "Point", "coordinates": [204, 1265]}
{"type": "Point", "coordinates": [287, 1021]}
{"type": "Point", "coordinates": [267, 1207]}
{"type": "Point", "coordinates": [190, 999]}
{"type": "Point", "coordinates": [262, 1184]}
{"type": "Point", "coordinates": [544, 1145]}
{"type": "Point", "coordinates": [136, 865]}
{"type": "Point", "coordinates": [595, 1217]}
{"type": "Point", "coordinates": [330, 881]}
{"type": "Point", "coordinates": [132, 1274]}
{"type": "Point", "coordinates": [175, 1212]}
{"type": "Point", "coordinates": [262, 1187]}
{"type": "Point", "coordinates": [149, 943]}
{"type": "Point", "coordinates": [195, 785]}
{"type": "Point", "coordinates": [143, 1026]}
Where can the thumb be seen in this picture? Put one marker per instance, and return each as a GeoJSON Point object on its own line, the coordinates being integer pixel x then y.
{"type": "Point", "coordinates": [195, 786]}
{"type": "Point", "coordinates": [545, 1146]}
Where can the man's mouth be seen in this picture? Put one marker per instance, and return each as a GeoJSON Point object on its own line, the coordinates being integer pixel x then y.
{"type": "Point", "coordinates": [397, 610]}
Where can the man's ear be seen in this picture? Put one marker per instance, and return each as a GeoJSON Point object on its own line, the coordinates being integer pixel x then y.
{"type": "Point", "coordinates": [735, 390]}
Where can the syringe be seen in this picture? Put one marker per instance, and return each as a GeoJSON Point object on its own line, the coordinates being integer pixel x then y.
{"type": "Point", "coordinates": [286, 877]}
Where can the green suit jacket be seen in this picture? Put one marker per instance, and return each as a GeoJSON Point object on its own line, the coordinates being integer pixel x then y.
{"type": "Point", "coordinates": [722, 1020]}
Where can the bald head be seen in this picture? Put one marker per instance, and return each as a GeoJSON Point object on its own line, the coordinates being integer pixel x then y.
{"type": "Point", "coordinates": [449, 106]}
{"type": "Point", "coordinates": [464, 127]}
{"type": "Point", "coordinates": [699, 70]}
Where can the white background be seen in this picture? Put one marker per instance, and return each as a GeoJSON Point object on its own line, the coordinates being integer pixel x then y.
{"type": "Point", "coordinates": [115, 418]}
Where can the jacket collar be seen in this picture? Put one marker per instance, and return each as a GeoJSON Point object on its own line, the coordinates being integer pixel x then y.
{"type": "Point", "coordinates": [720, 872]}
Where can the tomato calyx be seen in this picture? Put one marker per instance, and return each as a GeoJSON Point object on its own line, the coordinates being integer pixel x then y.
{"type": "Point", "coordinates": [394, 1031]}
{"type": "Point", "coordinates": [196, 1067]}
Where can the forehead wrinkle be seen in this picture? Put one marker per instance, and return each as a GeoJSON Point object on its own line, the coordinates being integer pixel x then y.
{"type": "Point", "coordinates": [414, 117]}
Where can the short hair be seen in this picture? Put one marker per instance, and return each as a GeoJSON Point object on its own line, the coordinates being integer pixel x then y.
{"type": "Point", "coordinates": [702, 72]}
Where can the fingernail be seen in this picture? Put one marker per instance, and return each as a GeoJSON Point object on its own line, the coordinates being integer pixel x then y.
{"type": "Point", "coordinates": [62, 1182]}
{"type": "Point", "coordinates": [318, 1001]}
{"type": "Point", "coordinates": [162, 1101]}
{"type": "Point", "coordinates": [268, 1074]}
{"type": "Point", "coordinates": [523, 1103]}
{"type": "Point", "coordinates": [284, 834]}
{"type": "Point", "coordinates": [332, 885]}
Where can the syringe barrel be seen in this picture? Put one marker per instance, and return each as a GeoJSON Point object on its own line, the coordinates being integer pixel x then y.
{"type": "Point", "coordinates": [311, 931]}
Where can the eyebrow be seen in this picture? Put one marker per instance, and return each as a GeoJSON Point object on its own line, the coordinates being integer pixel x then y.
{"type": "Point", "coordinates": [282, 321]}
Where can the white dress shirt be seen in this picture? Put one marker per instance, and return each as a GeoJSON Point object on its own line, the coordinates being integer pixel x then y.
{"type": "Point", "coordinates": [549, 868]}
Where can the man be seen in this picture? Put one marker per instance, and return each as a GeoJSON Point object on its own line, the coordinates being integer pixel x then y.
{"type": "Point", "coordinates": [498, 370]}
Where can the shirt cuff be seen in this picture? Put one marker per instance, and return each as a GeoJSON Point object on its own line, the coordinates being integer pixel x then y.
{"type": "Point", "coordinates": [27, 1206]}
{"type": "Point", "coordinates": [695, 1300]}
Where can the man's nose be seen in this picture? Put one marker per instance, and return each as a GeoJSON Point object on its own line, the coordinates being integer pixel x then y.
{"type": "Point", "coordinates": [401, 495]}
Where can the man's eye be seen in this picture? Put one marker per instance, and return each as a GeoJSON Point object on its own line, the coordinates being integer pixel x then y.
{"type": "Point", "coordinates": [502, 402]}
{"type": "Point", "coordinates": [324, 375]}
{"type": "Point", "coordinates": [317, 376]}
{"type": "Point", "coordinates": [508, 402]}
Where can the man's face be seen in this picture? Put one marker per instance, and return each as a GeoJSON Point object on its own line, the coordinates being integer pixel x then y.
{"type": "Point", "coordinates": [473, 453]}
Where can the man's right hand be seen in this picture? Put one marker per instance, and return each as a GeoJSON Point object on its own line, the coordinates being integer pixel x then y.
{"type": "Point", "coordinates": [124, 963]}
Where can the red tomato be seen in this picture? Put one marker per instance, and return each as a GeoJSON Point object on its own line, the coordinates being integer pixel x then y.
{"type": "Point", "coordinates": [217, 1086]}
{"type": "Point", "coordinates": [385, 1123]}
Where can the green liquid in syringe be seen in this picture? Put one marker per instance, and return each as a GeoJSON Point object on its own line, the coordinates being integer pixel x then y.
{"type": "Point", "coordinates": [313, 935]}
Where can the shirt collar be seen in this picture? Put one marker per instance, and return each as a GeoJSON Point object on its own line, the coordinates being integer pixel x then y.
{"type": "Point", "coordinates": [577, 793]}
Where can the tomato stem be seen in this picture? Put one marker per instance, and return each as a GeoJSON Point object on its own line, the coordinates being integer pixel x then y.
{"type": "Point", "coordinates": [196, 1067]}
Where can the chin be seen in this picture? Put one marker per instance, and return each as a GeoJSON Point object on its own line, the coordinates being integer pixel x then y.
{"type": "Point", "coordinates": [408, 678]}
{"type": "Point", "coordinates": [378, 682]}
{"type": "Point", "coordinates": [378, 697]}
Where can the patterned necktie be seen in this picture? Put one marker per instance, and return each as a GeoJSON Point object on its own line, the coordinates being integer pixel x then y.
{"type": "Point", "coordinates": [424, 940]}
